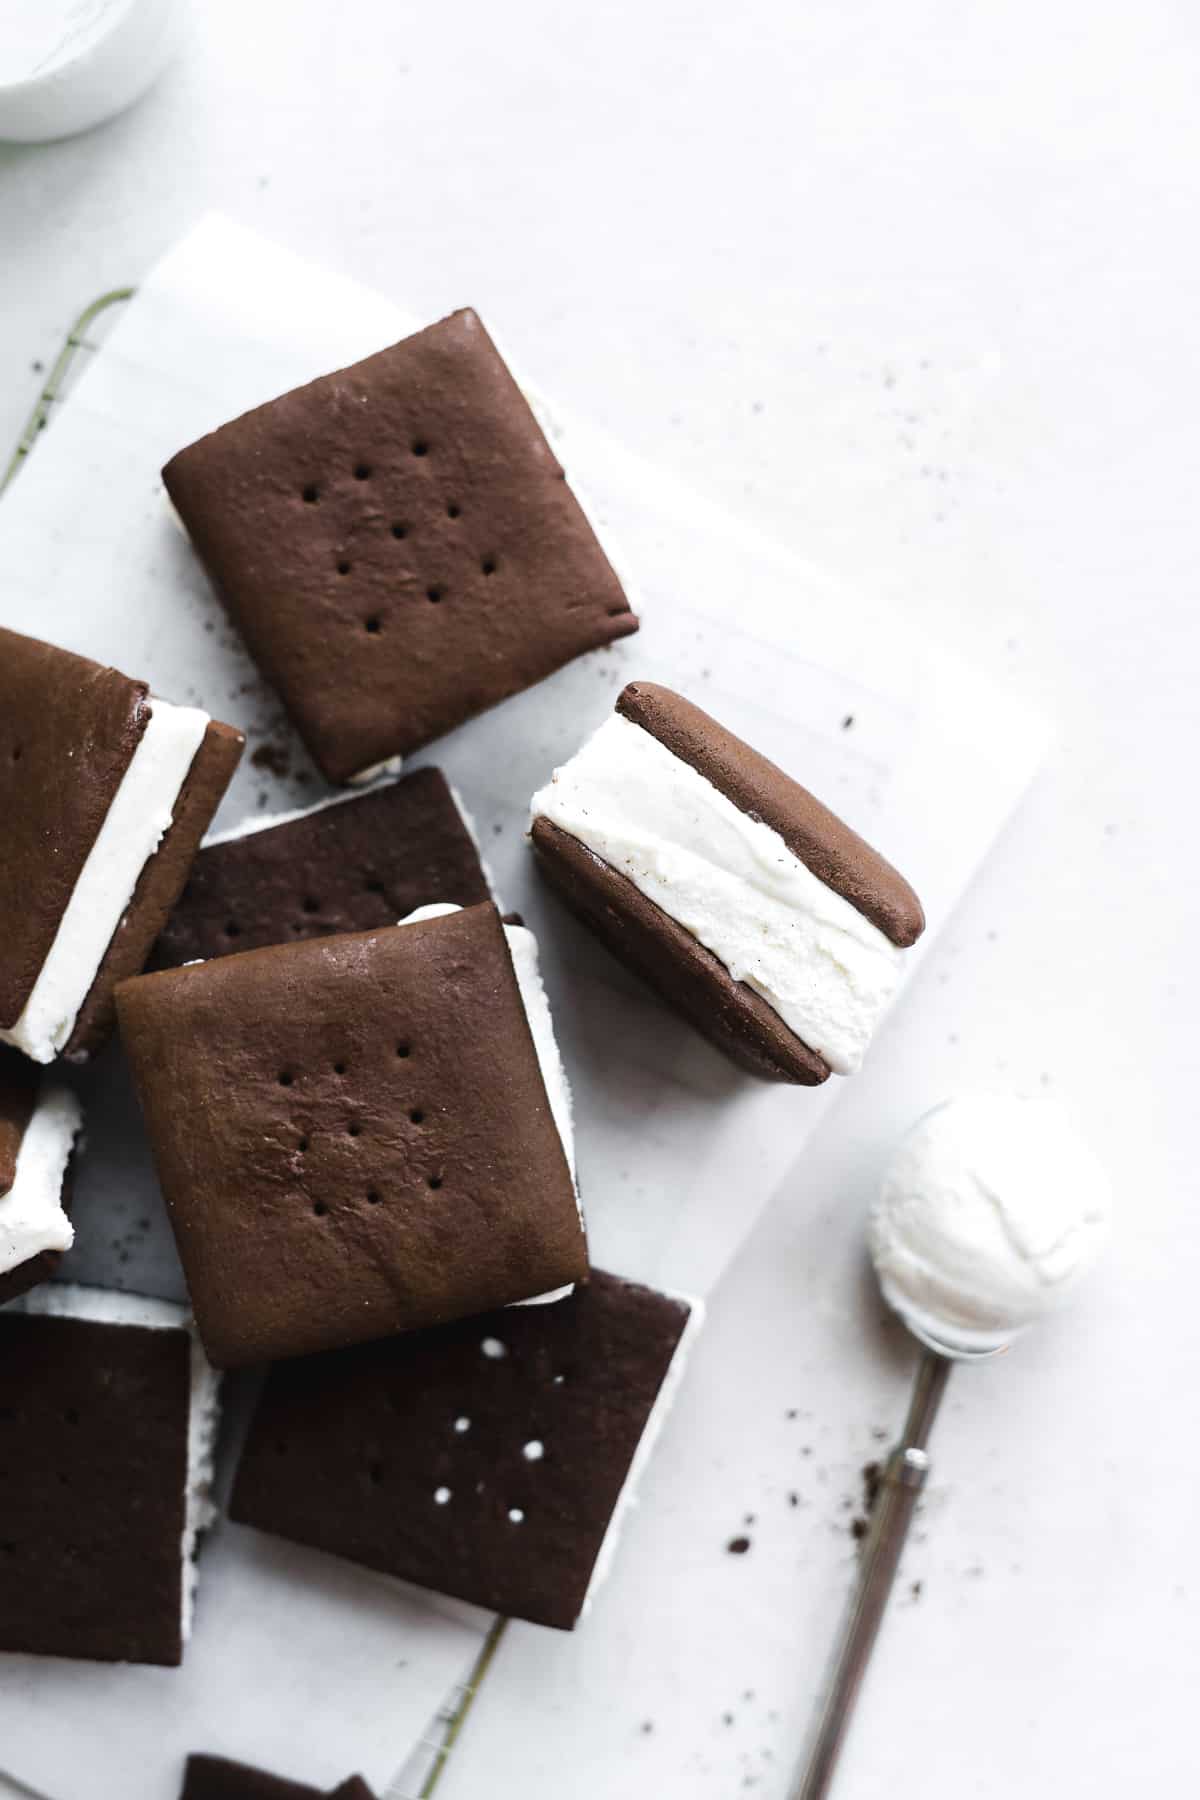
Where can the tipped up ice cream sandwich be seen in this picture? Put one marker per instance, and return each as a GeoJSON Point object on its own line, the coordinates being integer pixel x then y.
{"type": "Point", "coordinates": [495, 1460]}
{"type": "Point", "coordinates": [747, 904]}
{"type": "Point", "coordinates": [105, 795]}
{"type": "Point", "coordinates": [358, 1135]}
{"type": "Point", "coordinates": [108, 1420]}
{"type": "Point", "coordinates": [40, 1121]}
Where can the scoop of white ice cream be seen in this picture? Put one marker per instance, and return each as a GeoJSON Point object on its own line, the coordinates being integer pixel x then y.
{"type": "Point", "coordinates": [989, 1210]}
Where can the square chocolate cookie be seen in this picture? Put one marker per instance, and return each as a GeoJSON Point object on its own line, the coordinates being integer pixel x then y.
{"type": "Point", "coordinates": [105, 795]}
{"type": "Point", "coordinates": [40, 1121]}
{"type": "Point", "coordinates": [492, 1460]}
{"type": "Point", "coordinates": [108, 1417]}
{"type": "Point", "coordinates": [750, 907]}
{"type": "Point", "coordinates": [358, 863]}
{"type": "Point", "coordinates": [217, 1778]}
{"type": "Point", "coordinates": [355, 1135]}
{"type": "Point", "coordinates": [398, 546]}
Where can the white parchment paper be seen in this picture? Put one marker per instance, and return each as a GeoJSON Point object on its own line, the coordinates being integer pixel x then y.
{"type": "Point", "coordinates": [678, 1153]}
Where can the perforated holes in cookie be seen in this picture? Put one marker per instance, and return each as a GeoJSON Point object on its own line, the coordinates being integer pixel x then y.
{"type": "Point", "coordinates": [374, 624]}
{"type": "Point", "coordinates": [352, 1126]}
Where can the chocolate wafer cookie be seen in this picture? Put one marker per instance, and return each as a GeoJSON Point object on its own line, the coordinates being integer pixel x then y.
{"type": "Point", "coordinates": [355, 1135]}
{"type": "Point", "coordinates": [107, 1423]}
{"type": "Point", "coordinates": [105, 795]}
{"type": "Point", "coordinates": [362, 862]}
{"type": "Point", "coordinates": [40, 1121]}
{"type": "Point", "coordinates": [748, 905]}
{"type": "Point", "coordinates": [398, 546]}
{"type": "Point", "coordinates": [492, 1460]}
{"type": "Point", "coordinates": [217, 1778]}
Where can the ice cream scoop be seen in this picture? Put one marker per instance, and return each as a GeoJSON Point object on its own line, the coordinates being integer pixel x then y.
{"type": "Point", "coordinates": [988, 1211]}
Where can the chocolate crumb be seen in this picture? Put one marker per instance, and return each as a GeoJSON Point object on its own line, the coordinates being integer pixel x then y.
{"type": "Point", "coordinates": [738, 1546]}
{"type": "Point", "coordinates": [848, 721]}
{"type": "Point", "coordinates": [727, 1718]}
{"type": "Point", "coordinates": [872, 1480]}
{"type": "Point", "coordinates": [749, 1519]}
{"type": "Point", "coordinates": [647, 1727]}
{"type": "Point", "coordinates": [793, 1499]}
{"type": "Point", "coordinates": [915, 1589]}
{"type": "Point", "coordinates": [273, 757]}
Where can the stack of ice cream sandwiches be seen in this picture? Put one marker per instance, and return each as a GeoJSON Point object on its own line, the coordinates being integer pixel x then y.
{"type": "Point", "coordinates": [343, 1050]}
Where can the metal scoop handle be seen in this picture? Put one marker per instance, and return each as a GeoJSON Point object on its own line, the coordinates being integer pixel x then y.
{"type": "Point", "coordinates": [903, 1478]}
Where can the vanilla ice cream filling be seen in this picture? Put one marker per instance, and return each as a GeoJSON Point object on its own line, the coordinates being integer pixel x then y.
{"type": "Point", "coordinates": [31, 1213]}
{"type": "Point", "coordinates": [732, 882]}
{"type": "Point", "coordinates": [141, 812]}
{"type": "Point", "coordinates": [989, 1210]}
{"type": "Point", "coordinates": [103, 1306]}
{"type": "Point", "coordinates": [522, 946]}
{"type": "Point", "coordinates": [663, 1402]}
{"type": "Point", "coordinates": [391, 765]}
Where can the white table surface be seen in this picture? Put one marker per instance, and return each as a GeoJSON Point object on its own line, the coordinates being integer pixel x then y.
{"type": "Point", "coordinates": [914, 286]}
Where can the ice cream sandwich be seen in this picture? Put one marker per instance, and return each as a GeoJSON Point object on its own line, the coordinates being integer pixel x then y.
{"type": "Point", "coordinates": [353, 864]}
{"type": "Point", "coordinates": [398, 546]}
{"type": "Point", "coordinates": [105, 795]}
{"type": "Point", "coordinates": [217, 1778]}
{"type": "Point", "coordinates": [108, 1419]}
{"type": "Point", "coordinates": [494, 1460]}
{"type": "Point", "coordinates": [40, 1123]}
{"type": "Point", "coordinates": [358, 1135]}
{"type": "Point", "coordinates": [729, 888]}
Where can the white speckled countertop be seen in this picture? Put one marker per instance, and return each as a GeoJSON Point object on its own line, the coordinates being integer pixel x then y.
{"type": "Point", "coordinates": [913, 288]}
